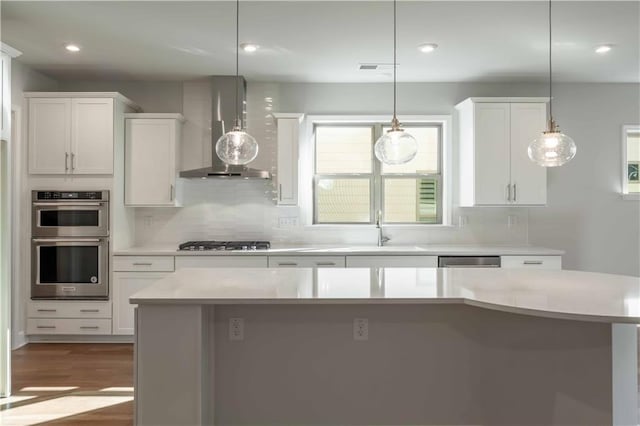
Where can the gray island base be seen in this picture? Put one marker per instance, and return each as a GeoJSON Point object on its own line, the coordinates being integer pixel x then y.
{"type": "Point", "coordinates": [442, 347]}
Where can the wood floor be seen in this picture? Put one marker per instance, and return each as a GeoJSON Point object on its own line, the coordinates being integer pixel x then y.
{"type": "Point", "coordinates": [97, 375]}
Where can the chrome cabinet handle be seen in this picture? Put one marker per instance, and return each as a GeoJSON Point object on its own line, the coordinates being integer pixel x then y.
{"type": "Point", "coordinates": [65, 240]}
{"type": "Point", "coordinates": [89, 310]}
{"type": "Point", "coordinates": [325, 264]}
{"type": "Point", "coordinates": [171, 193]}
{"type": "Point", "coordinates": [280, 191]}
{"type": "Point", "coordinates": [46, 326]}
{"type": "Point", "coordinates": [515, 194]}
{"type": "Point", "coordinates": [532, 262]}
{"type": "Point", "coordinates": [66, 161]}
{"type": "Point", "coordinates": [65, 204]}
{"type": "Point", "coordinates": [73, 157]}
{"type": "Point", "coordinates": [508, 192]}
{"type": "Point", "coordinates": [47, 310]}
{"type": "Point", "coordinates": [287, 264]}
{"type": "Point", "coordinates": [87, 327]}
{"type": "Point", "coordinates": [142, 263]}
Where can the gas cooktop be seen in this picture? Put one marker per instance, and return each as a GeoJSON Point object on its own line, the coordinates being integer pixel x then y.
{"type": "Point", "coordinates": [224, 245]}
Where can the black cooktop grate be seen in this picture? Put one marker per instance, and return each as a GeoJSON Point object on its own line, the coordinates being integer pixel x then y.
{"type": "Point", "coordinates": [224, 245]}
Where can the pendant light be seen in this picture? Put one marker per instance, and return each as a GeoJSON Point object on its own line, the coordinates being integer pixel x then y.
{"type": "Point", "coordinates": [553, 148]}
{"type": "Point", "coordinates": [396, 146]}
{"type": "Point", "coordinates": [237, 147]}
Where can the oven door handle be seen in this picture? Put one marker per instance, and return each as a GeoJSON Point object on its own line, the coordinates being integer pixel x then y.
{"type": "Point", "coordinates": [72, 204]}
{"type": "Point", "coordinates": [66, 240]}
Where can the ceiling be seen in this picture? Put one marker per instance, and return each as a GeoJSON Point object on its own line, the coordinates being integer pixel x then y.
{"type": "Point", "coordinates": [325, 41]}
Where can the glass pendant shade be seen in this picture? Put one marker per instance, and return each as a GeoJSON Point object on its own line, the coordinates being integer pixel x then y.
{"type": "Point", "coordinates": [237, 147]}
{"type": "Point", "coordinates": [552, 149]}
{"type": "Point", "coordinates": [396, 147]}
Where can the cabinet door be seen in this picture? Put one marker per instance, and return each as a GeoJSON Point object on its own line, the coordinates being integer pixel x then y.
{"type": "Point", "coordinates": [491, 133]}
{"type": "Point", "coordinates": [49, 135]}
{"type": "Point", "coordinates": [288, 161]}
{"type": "Point", "coordinates": [124, 286]}
{"type": "Point", "coordinates": [92, 136]}
{"type": "Point", "coordinates": [392, 261]}
{"type": "Point", "coordinates": [528, 179]}
{"type": "Point", "coordinates": [150, 162]}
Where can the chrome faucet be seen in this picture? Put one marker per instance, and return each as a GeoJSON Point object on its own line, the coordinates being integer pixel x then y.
{"type": "Point", "coordinates": [381, 237]}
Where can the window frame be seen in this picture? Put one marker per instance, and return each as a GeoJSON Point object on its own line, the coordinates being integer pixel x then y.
{"type": "Point", "coordinates": [626, 129]}
{"type": "Point", "coordinates": [377, 178]}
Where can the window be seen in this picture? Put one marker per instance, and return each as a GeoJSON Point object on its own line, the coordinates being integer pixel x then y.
{"type": "Point", "coordinates": [631, 162]}
{"type": "Point", "coordinates": [350, 185]}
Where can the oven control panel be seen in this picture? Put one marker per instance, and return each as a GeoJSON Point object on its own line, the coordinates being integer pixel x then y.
{"type": "Point", "coordinates": [70, 195]}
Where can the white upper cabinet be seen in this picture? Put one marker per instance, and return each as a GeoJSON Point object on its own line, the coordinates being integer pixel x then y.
{"type": "Point", "coordinates": [73, 133]}
{"type": "Point", "coordinates": [288, 126]}
{"type": "Point", "coordinates": [92, 136]}
{"type": "Point", "coordinates": [49, 135]}
{"type": "Point", "coordinates": [494, 168]}
{"type": "Point", "coordinates": [152, 158]}
{"type": "Point", "coordinates": [529, 181]}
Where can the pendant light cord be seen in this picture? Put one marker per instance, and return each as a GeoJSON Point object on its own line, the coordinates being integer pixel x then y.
{"type": "Point", "coordinates": [237, 62]}
{"type": "Point", "coordinates": [395, 64]}
{"type": "Point", "coordinates": [550, 72]}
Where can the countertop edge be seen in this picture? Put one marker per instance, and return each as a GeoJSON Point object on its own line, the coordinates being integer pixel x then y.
{"type": "Point", "coordinates": [310, 251]}
{"type": "Point", "coordinates": [571, 316]}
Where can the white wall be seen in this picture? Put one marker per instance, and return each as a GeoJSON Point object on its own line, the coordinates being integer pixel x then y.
{"type": "Point", "coordinates": [586, 215]}
{"type": "Point", "coordinates": [23, 79]}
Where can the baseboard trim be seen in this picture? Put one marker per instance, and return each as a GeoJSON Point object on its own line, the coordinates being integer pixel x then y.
{"type": "Point", "coordinates": [79, 339]}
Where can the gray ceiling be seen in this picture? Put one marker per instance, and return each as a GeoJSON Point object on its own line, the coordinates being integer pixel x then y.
{"type": "Point", "coordinates": [325, 41]}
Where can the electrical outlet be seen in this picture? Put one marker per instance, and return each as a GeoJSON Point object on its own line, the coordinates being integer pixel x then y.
{"type": "Point", "coordinates": [236, 329]}
{"type": "Point", "coordinates": [287, 222]}
{"type": "Point", "coordinates": [360, 329]}
{"type": "Point", "coordinates": [463, 220]}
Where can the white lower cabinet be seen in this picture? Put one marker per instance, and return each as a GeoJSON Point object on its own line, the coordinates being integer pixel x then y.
{"type": "Point", "coordinates": [531, 262]}
{"type": "Point", "coordinates": [68, 317]}
{"type": "Point", "coordinates": [392, 261]}
{"type": "Point", "coordinates": [125, 284]}
{"type": "Point", "coordinates": [306, 262]}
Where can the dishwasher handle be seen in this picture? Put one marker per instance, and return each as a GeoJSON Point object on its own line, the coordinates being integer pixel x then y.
{"type": "Point", "coordinates": [469, 262]}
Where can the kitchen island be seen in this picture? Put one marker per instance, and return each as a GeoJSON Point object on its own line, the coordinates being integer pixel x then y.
{"type": "Point", "coordinates": [381, 346]}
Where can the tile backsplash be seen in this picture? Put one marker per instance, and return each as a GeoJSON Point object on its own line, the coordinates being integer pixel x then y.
{"type": "Point", "coordinates": [240, 209]}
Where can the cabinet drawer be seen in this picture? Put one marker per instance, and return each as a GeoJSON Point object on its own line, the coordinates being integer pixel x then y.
{"type": "Point", "coordinates": [392, 261]}
{"type": "Point", "coordinates": [68, 309]}
{"type": "Point", "coordinates": [143, 263]}
{"type": "Point", "coordinates": [221, 261]}
{"type": "Point", "coordinates": [536, 262]}
{"type": "Point", "coordinates": [306, 261]}
{"type": "Point", "coordinates": [68, 326]}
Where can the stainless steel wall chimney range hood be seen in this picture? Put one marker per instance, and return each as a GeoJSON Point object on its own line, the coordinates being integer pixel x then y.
{"type": "Point", "coordinates": [223, 110]}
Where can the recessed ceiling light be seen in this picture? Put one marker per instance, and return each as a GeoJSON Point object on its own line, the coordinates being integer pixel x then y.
{"type": "Point", "coordinates": [249, 47]}
{"type": "Point", "coordinates": [427, 47]}
{"type": "Point", "coordinates": [603, 49]}
{"type": "Point", "coordinates": [72, 48]}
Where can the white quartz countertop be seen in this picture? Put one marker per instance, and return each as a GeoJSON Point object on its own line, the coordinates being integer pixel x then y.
{"type": "Point", "coordinates": [356, 250]}
{"type": "Point", "coordinates": [547, 293]}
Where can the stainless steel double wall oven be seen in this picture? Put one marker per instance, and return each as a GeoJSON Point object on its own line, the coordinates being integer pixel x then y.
{"type": "Point", "coordinates": [70, 245]}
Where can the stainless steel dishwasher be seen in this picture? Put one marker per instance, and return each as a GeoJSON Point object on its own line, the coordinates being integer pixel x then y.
{"type": "Point", "coordinates": [468, 261]}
